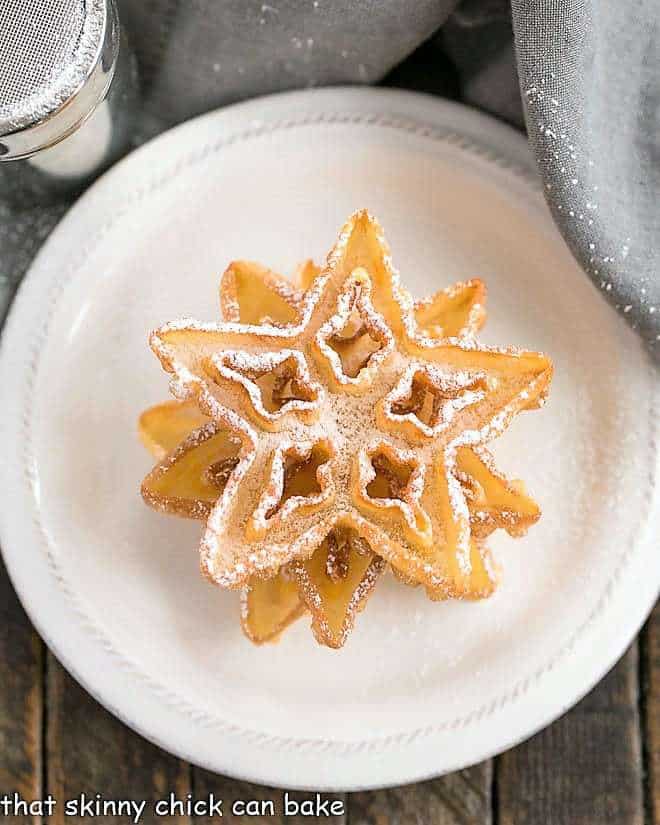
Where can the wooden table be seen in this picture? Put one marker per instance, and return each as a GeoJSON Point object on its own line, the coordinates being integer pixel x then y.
{"type": "Point", "coordinates": [598, 764]}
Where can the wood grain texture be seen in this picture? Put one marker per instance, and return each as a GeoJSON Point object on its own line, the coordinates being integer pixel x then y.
{"type": "Point", "coordinates": [21, 662]}
{"type": "Point", "coordinates": [230, 790]}
{"type": "Point", "coordinates": [586, 768]}
{"type": "Point", "coordinates": [650, 669]}
{"type": "Point", "coordinates": [89, 751]}
{"type": "Point", "coordinates": [461, 798]}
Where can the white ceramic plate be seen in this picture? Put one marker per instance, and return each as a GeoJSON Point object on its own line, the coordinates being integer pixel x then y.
{"type": "Point", "coordinates": [421, 688]}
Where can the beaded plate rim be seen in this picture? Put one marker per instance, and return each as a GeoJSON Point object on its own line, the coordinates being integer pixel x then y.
{"type": "Point", "coordinates": [375, 117]}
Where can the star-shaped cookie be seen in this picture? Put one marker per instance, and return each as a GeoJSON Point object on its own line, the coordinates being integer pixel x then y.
{"type": "Point", "coordinates": [338, 427]}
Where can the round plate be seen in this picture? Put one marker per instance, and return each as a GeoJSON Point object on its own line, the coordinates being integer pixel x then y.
{"type": "Point", "coordinates": [421, 688]}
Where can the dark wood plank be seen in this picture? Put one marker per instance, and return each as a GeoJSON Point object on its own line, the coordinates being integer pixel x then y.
{"type": "Point", "coordinates": [650, 667]}
{"type": "Point", "coordinates": [461, 798]}
{"type": "Point", "coordinates": [232, 790]}
{"type": "Point", "coordinates": [586, 768]}
{"type": "Point", "coordinates": [89, 751]}
{"type": "Point", "coordinates": [21, 664]}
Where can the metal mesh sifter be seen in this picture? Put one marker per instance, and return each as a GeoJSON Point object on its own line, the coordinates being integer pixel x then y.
{"type": "Point", "coordinates": [67, 94]}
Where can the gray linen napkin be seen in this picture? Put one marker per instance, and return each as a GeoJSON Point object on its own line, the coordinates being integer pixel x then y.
{"type": "Point", "coordinates": [589, 86]}
{"type": "Point", "coordinates": [590, 82]}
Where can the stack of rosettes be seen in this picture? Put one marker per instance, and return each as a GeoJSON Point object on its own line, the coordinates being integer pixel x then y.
{"type": "Point", "coordinates": [330, 427]}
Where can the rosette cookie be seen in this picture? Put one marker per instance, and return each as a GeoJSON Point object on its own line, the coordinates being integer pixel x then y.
{"type": "Point", "coordinates": [330, 427]}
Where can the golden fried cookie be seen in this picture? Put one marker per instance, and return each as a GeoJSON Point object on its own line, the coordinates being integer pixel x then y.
{"type": "Point", "coordinates": [269, 606]}
{"type": "Point", "coordinates": [252, 294]}
{"type": "Point", "coordinates": [336, 582]}
{"type": "Point", "coordinates": [454, 312]}
{"type": "Point", "coordinates": [164, 426]}
{"type": "Point", "coordinates": [420, 487]}
{"type": "Point", "coordinates": [493, 500]}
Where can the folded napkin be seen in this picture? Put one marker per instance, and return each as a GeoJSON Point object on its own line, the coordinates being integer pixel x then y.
{"type": "Point", "coordinates": [590, 82]}
{"type": "Point", "coordinates": [589, 92]}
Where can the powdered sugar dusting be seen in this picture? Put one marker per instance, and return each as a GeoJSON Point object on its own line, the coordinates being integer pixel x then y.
{"type": "Point", "coordinates": [476, 392]}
